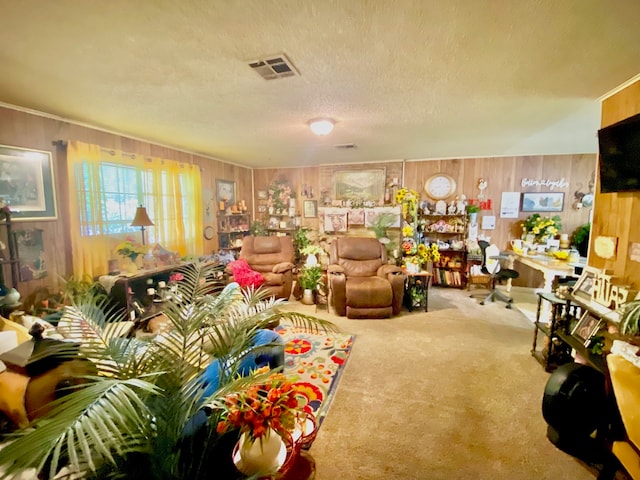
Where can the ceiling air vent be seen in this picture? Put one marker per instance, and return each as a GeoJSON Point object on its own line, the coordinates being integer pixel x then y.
{"type": "Point", "coordinates": [276, 66]}
{"type": "Point", "coordinates": [346, 146]}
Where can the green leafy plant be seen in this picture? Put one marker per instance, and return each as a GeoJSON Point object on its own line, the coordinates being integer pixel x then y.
{"type": "Point", "coordinates": [580, 238]}
{"type": "Point", "coordinates": [472, 208]}
{"type": "Point", "coordinates": [300, 241]}
{"type": "Point", "coordinates": [630, 318]}
{"type": "Point", "coordinates": [258, 229]}
{"type": "Point", "coordinates": [310, 277]}
{"type": "Point", "coordinates": [382, 222]}
{"type": "Point", "coordinates": [128, 419]}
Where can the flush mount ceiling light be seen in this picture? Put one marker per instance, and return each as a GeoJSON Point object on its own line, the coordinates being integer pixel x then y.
{"type": "Point", "coordinates": [321, 126]}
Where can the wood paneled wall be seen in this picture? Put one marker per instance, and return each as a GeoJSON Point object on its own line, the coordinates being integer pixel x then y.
{"type": "Point", "coordinates": [28, 130]}
{"type": "Point", "coordinates": [504, 174]}
{"type": "Point", "coordinates": [31, 131]}
{"type": "Point", "coordinates": [616, 214]}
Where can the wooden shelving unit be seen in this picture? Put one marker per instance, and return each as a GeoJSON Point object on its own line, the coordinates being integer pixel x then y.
{"type": "Point", "coordinates": [451, 230]}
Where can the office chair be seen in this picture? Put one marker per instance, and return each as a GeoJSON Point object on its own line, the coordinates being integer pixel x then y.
{"type": "Point", "coordinates": [491, 266]}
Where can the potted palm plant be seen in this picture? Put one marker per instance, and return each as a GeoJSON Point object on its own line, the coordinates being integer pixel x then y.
{"type": "Point", "coordinates": [137, 416]}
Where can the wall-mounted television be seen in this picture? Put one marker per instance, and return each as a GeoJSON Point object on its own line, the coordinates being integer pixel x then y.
{"type": "Point", "coordinates": [619, 146]}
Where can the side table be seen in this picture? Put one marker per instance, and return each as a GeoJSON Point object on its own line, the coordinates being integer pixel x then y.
{"type": "Point", "coordinates": [417, 282]}
{"type": "Point", "coordinates": [555, 352]}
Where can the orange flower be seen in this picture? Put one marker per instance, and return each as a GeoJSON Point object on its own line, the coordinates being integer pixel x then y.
{"type": "Point", "coordinates": [272, 404]}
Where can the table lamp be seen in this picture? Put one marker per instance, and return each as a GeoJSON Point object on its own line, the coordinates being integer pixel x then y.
{"type": "Point", "coordinates": [141, 220]}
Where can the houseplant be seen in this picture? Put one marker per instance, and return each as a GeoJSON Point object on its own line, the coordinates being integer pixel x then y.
{"type": "Point", "coordinates": [310, 277]}
{"type": "Point", "coordinates": [133, 417]}
{"type": "Point", "coordinates": [580, 239]}
{"type": "Point", "coordinates": [473, 210]}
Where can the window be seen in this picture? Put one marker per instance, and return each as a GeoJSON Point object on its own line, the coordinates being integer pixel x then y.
{"type": "Point", "coordinates": [107, 187]}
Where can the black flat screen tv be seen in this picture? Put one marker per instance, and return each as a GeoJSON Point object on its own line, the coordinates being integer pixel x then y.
{"type": "Point", "coordinates": [619, 146]}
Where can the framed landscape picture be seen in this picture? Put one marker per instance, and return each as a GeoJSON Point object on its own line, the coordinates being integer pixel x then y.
{"type": "Point", "coordinates": [360, 185]}
{"type": "Point", "coordinates": [26, 183]}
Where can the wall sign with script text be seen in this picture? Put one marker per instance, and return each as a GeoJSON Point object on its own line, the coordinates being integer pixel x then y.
{"type": "Point", "coordinates": [531, 182]}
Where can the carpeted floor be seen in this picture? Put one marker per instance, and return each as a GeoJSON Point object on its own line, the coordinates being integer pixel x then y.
{"type": "Point", "coordinates": [444, 395]}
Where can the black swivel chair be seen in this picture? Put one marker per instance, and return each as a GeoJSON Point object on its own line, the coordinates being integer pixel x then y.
{"type": "Point", "coordinates": [491, 266]}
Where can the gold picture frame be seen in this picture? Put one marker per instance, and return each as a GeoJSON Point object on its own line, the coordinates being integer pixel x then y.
{"type": "Point", "coordinates": [360, 185]}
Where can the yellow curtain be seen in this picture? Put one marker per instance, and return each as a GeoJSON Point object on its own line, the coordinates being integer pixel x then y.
{"type": "Point", "coordinates": [172, 194]}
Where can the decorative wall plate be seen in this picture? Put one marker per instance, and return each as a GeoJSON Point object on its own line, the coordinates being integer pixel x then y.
{"type": "Point", "coordinates": [208, 232]}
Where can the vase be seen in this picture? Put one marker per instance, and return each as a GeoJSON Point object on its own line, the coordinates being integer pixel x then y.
{"type": "Point", "coordinates": [129, 265]}
{"type": "Point", "coordinates": [271, 210]}
{"type": "Point", "coordinates": [307, 297]}
{"type": "Point", "coordinates": [264, 455]}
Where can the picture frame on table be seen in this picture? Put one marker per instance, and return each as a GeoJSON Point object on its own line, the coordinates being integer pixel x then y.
{"type": "Point", "coordinates": [542, 202]}
{"type": "Point", "coordinates": [583, 287]}
{"type": "Point", "coordinates": [586, 327]}
{"type": "Point", "coordinates": [27, 185]}
{"type": "Point", "coordinates": [226, 191]}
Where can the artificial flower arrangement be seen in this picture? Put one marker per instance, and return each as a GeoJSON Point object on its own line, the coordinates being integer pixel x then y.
{"type": "Point", "coordinates": [409, 200]}
{"type": "Point", "coordinates": [279, 195]}
{"type": "Point", "coordinates": [129, 248]}
{"type": "Point", "coordinates": [542, 228]}
{"type": "Point", "coordinates": [422, 254]}
{"type": "Point", "coordinates": [274, 404]}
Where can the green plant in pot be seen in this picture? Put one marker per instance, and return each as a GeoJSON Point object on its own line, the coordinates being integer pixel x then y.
{"type": "Point", "coordinates": [133, 418]}
{"type": "Point", "coordinates": [580, 238]}
{"type": "Point", "coordinates": [472, 211]}
{"type": "Point", "coordinates": [310, 277]}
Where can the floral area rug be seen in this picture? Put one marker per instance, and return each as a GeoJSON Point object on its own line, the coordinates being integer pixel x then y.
{"type": "Point", "coordinates": [315, 361]}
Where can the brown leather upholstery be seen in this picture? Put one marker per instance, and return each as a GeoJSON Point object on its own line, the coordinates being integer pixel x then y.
{"type": "Point", "coordinates": [273, 257]}
{"type": "Point", "coordinates": [362, 284]}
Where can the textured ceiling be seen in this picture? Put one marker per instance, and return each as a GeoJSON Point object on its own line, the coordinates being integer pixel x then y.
{"type": "Point", "coordinates": [402, 79]}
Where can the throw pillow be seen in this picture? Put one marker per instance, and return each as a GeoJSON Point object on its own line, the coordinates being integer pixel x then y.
{"type": "Point", "coordinates": [244, 275]}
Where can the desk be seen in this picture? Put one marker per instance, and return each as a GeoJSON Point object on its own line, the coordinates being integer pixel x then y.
{"type": "Point", "coordinates": [551, 269]}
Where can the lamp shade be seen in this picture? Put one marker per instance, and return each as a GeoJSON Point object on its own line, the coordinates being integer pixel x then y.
{"type": "Point", "coordinates": [142, 218]}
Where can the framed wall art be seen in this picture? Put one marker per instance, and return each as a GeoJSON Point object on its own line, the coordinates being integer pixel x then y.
{"type": "Point", "coordinates": [360, 185]}
{"type": "Point", "coordinates": [310, 208]}
{"type": "Point", "coordinates": [543, 202]}
{"type": "Point", "coordinates": [27, 184]}
{"type": "Point", "coordinates": [226, 191]}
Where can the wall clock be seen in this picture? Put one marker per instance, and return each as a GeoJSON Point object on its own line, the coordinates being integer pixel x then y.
{"type": "Point", "coordinates": [440, 186]}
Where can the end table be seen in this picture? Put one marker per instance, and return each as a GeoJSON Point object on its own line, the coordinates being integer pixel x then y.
{"type": "Point", "coordinates": [420, 282]}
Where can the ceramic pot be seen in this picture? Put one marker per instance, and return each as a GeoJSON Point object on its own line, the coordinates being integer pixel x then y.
{"type": "Point", "coordinates": [307, 297]}
{"type": "Point", "coordinates": [264, 455]}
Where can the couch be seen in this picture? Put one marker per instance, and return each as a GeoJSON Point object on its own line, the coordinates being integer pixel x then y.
{"type": "Point", "coordinates": [273, 258]}
{"type": "Point", "coordinates": [361, 282]}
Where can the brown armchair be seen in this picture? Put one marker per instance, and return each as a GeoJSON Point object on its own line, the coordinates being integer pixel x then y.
{"type": "Point", "coordinates": [273, 257]}
{"type": "Point", "coordinates": [362, 284]}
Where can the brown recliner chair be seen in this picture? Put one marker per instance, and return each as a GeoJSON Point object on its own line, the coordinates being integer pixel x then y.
{"type": "Point", "coordinates": [362, 284]}
{"type": "Point", "coordinates": [273, 257]}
